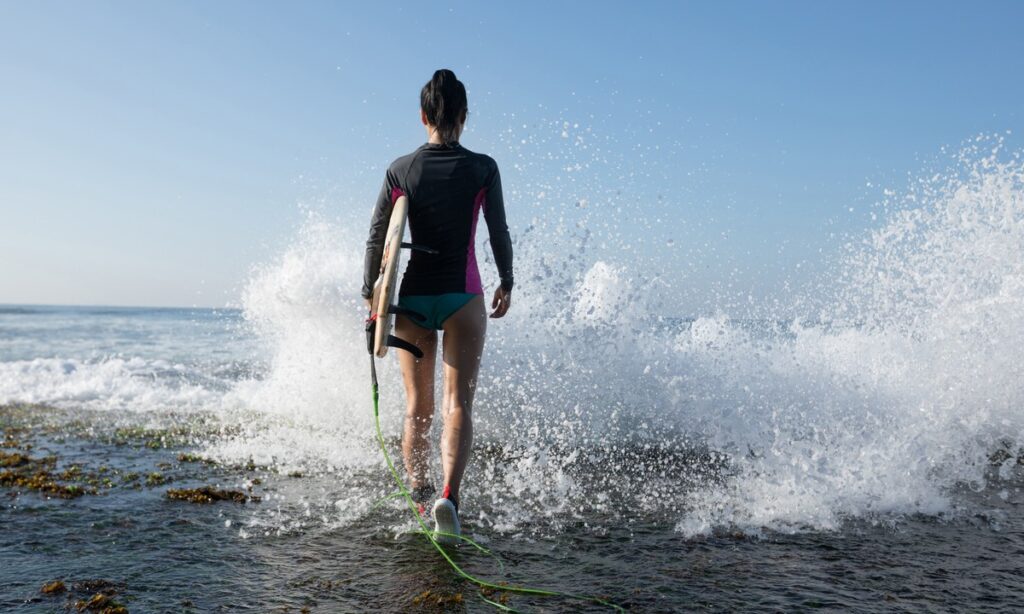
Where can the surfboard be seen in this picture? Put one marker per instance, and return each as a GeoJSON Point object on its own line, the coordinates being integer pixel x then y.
{"type": "Point", "coordinates": [384, 291]}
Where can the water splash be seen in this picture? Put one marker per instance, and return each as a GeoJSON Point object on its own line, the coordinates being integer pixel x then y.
{"type": "Point", "coordinates": [909, 383]}
{"type": "Point", "coordinates": [899, 384]}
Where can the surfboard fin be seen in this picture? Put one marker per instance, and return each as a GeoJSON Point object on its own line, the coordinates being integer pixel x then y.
{"type": "Point", "coordinates": [420, 248]}
{"type": "Point", "coordinates": [404, 311]}
{"type": "Point", "coordinates": [402, 344]}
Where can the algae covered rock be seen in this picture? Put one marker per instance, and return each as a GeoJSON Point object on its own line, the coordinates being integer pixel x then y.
{"type": "Point", "coordinates": [57, 586]}
{"type": "Point", "coordinates": [209, 494]}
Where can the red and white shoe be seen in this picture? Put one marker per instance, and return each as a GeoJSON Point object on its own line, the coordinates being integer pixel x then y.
{"type": "Point", "coordinates": [446, 520]}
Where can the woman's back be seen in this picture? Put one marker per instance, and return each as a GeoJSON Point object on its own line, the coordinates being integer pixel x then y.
{"type": "Point", "coordinates": [448, 186]}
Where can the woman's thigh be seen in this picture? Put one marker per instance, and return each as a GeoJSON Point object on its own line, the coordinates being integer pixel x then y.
{"type": "Point", "coordinates": [417, 373]}
{"type": "Point", "coordinates": [463, 342]}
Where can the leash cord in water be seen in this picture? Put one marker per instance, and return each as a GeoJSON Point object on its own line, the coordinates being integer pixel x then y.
{"type": "Point", "coordinates": [403, 491]}
{"type": "Point", "coordinates": [397, 494]}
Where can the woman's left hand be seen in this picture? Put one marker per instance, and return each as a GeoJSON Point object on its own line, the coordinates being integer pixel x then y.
{"type": "Point", "coordinates": [502, 301]}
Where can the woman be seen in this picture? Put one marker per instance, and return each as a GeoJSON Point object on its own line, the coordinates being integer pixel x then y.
{"type": "Point", "coordinates": [447, 186]}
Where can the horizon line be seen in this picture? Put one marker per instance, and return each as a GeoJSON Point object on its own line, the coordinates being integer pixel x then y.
{"type": "Point", "coordinates": [114, 306]}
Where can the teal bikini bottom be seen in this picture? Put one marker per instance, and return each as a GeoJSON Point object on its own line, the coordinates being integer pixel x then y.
{"type": "Point", "coordinates": [436, 308]}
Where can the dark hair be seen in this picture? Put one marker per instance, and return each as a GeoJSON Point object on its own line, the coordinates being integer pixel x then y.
{"type": "Point", "coordinates": [443, 99]}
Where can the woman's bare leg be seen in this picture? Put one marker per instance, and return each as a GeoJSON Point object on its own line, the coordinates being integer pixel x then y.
{"type": "Point", "coordinates": [418, 376]}
{"type": "Point", "coordinates": [463, 345]}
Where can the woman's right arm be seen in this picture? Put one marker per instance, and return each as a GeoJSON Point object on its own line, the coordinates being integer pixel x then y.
{"type": "Point", "coordinates": [378, 231]}
{"type": "Point", "coordinates": [501, 241]}
{"type": "Point", "coordinates": [497, 227]}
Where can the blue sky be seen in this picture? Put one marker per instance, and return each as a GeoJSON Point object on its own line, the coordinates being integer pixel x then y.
{"type": "Point", "coordinates": [151, 153]}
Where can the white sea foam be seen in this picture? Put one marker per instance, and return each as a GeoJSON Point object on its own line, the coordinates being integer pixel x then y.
{"type": "Point", "coordinates": [912, 382]}
{"type": "Point", "coordinates": [104, 383]}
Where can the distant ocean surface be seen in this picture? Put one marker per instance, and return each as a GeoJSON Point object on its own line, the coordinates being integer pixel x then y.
{"type": "Point", "coordinates": [859, 448]}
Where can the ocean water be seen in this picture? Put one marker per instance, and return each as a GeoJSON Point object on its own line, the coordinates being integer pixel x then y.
{"type": "Point", "coordinates": [857, 447]}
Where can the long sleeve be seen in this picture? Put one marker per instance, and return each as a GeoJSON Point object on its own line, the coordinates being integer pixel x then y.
{"type": "Point", "coordinates": [497, 228]}
{"type": "Point", "coordinates": [378, 231]}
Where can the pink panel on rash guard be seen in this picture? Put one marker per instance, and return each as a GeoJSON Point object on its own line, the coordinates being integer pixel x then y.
{"type": "Point", "coordinates": [473, 283]}
{"type": "Point", "coordinates": [395, 194]}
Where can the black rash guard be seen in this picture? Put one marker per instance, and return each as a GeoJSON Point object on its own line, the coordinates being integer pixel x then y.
{"type": "Point", "coordinates": [447, 186]}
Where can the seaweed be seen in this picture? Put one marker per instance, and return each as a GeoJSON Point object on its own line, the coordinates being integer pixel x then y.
{"type": "Point", "coordinates": [41, 480]}
{"type": "Point", "coordinates": [437, 599]}
{"type": "Point", "coordinates": [24, 471]}
{"type": "Point", "coordinates": [14, 459]}
{"type": "Point", "coordinates": [493, 594]}
{"type": "Point", "coordinates": [57, 586]}
{"type": "Point", "coordinates": [189, 457]}
{"type": "Point", "coordinates": [209, 494]}
{"type": "Point", "coordinates": [101, 602]}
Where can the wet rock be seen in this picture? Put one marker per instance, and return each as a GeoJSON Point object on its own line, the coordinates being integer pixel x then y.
{"type": "Point", "coordinates": [102, 603]}
{"type": "Point", "coordinates": [10, 440]}
{"type": "Point", "coordinates": [209, 494]}
{"type": "Point", "coordinates": [437, 599]}
{"type": "Point", "coordinates": [73, 472]}
{"type": "Point", "coordinates": [501, 597]}
{"type": "Point", "coordinates": [42, 481]}
{"type": "Point", "coordinates": [96, 602]}
{"type": "Point", "coordinates": [98, 586]}
{"type": "Point", "coordinates": [15, 459]}
{"type": "Point", "coordinates": [21, 471]}
{"type": "Point", "coordinates": [102, 599]}
{"type": "Point", "coordinates": [57, 586]}
{"type": "Point", "coordinates": [1002, 455]}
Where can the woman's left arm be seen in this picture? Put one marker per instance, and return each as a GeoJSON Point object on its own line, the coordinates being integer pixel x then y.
{"type": "Point", "coordinates": [378, 230]}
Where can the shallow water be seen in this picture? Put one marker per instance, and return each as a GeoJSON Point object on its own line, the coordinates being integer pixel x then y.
{"type": "Point", "coordinates": [288, 550]}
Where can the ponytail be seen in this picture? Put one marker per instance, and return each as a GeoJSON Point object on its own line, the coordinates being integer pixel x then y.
{"type": "Point", "coordinates": [443, 100]}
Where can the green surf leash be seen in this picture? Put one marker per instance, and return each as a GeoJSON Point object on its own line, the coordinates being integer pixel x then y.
{"type": "Point", "coordinates": [429, 534]}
